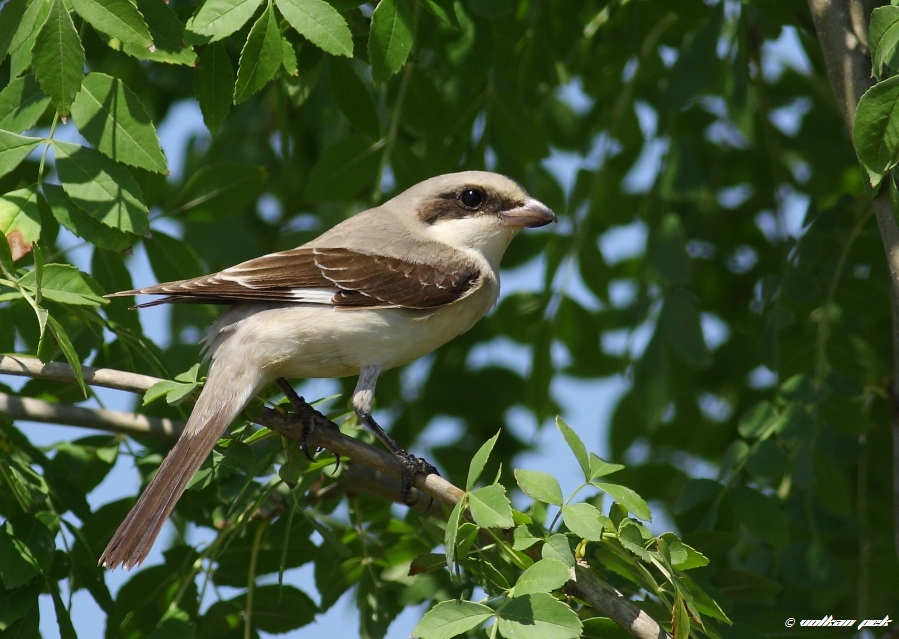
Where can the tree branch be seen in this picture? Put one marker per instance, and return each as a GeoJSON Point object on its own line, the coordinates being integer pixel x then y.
{"type": "Point", "coordinates": [114, 421]}
{"type": "Point", "coordinates": [325, 434]}
{"type": "Point", "coordinates": [372, 470]}
{"type": "Point", "coordinates": [27, 366]}
{"type": "Point", "coordinates": [586, 585]}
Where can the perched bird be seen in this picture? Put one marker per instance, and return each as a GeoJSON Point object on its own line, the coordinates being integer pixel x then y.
{"type": "Point", "coordinates": [378, 290]}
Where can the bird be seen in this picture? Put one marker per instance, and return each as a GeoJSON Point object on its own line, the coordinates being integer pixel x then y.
{"type": "Point", "coordinates": [376, 291]}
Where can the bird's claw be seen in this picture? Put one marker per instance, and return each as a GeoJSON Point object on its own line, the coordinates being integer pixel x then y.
{"type": "Point", "coordinates": [412, 466]}
{"type": "Point", "coordinates": [309, 418]}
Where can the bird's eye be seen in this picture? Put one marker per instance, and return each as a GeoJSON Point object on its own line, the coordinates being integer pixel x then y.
{"type": "Point", "coordinates": [471, 199]}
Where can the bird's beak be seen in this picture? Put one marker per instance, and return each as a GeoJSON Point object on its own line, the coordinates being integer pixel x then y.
{"type": "Point", "coordinates": [530, 214]}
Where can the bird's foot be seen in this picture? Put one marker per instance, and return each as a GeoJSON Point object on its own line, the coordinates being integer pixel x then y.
{"type": "Point", "coordinates": [309, 419]}
{"type": "Point", "coordinates": [412, 466]}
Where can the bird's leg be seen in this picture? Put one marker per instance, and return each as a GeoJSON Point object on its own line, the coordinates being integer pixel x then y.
{"type": "Point", "coordinates": [363, 398]}
{"type": "Point", "coordinates": [307, 415]}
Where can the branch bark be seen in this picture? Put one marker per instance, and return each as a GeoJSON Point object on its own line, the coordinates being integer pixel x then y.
{"type": "Point", "coordinates": [113, 421]}
{"type": "Point", "coordinates": [371, 470]}
{"type": "Point", "coordinates": [27, 366]}
{"type": "Point", "coordinates": [586, 585]}
{"type": "Point", "coordinates": [842, 29]}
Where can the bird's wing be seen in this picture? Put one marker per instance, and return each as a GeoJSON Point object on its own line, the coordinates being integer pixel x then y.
{"type": "Point", "coordinates": [332, 276]}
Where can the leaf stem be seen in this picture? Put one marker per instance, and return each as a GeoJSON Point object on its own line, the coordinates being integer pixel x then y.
{"type": "Point", "coordinates": [40, 170]}
{"type": "Point", "coordinates": [251, 581]}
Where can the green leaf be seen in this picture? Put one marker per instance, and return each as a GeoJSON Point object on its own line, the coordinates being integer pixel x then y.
{"type": "Point", "coordinates": [15, 604]}
{"type": "Point", "coordinates": [260, 58]}
{"type": "Point", "coordinates": [17, 566]}
{"type": "Point", "coordinates": [104, 189]}
{"type": "Point", "coordinates": [167, 32]}
{"type": "Point", "coordinates": [538, 616]}
{"type": "Point", "coordinates": [757, 420]}
{"type": "Point", "coordinates": [343, 169]}
{"type": "Point", "coordinates": [216, 19]}
{"type": "Point", "coordinates": [111, 117]}
{"type": "Point", "coordinates": [451, 618]}
{"type": "Point", "coordinates": [220, 189]}
{"type": "Point", "coordinates": [353, 99]}
{"type": "Point", "coordinates": [539, 485]}
{"type": "Point", "coordinates": [19, 213]}
{"type": "Point", "coordinates": [526, 536]}
{"type": "Point", "coordinates": [11, 14]}
{"type": "Point", "coordinates": [490, 507]}
{"type": "Point", "coordinates": [635, 504]}
{"type": "Point", "coordinates": [83, 225]}
{"type": "Point", "coordinates": [576, 445]}
{"type": "Point", "coordinates": [21, 104]}
{"type": "Point", "coordinates": [452, 532]}
{"type": "Point", "coordinates": [667, 251]}
{"type": "Point", "coordinates": [59, 58]}
{"type": "Point", "coordinates": [760, 514]}
{"type": "Point", "coordinates": [119, 19]}
{"type": "Point", "coordinates": [172, 259]}
{"type": "Point", "coordinates": [13, 149]}
{"type": "Point", "coordinates": [320, 23]}
{"type": "Point", "coordinates": [479, 461]}
{"type": "Point", "coordinates": [26, 546]}
{"type": "Point", "coordinates": [289, 58]}
{"type": "Point", "coordinates": [875, 130]}
{"type": "Point", "coordinates": [681, 325]}
{"type": "Point", "coordinates": [443, 9]}
{"type": "Point", "coordinates": [557, 547]}
{"type": "Point", "coordinates": [7, 264]}
{"type": "Point", "coordinates": [651, 379]}
{"type": "Point", "coordinates": [487, 576]}
{"type": "Point", "coordinates": [544, 576]}
{"type": "Point", "coordinates": [584, 520]}
{"type": "Point", "coordinates": [683, 557]}
{"type": "Point", "coordinates": [214, 85]}
{"type": "Point", "coordinates": [278, 609]}
{"type": "Point", "coordinates": [32, 19]}
{"type": "Point", "coordinates": [65, 345]}
{"type": "Point", "coordinates": [680, 619]}
{"type": "Point", "coordinates": [629, 535]}
{"type": "Point", "coordinates": [64, 283]}
{"type": "Point", "coordinates": [390, 38]}
{"type": "Point", "coordinates": [883, 33]}
{"type": "Point", "coordinates": [767, 459]}
{"type": "Point", "coordinates": [600, 467]}
{"type": "Point", "coordinates": [795, 423]}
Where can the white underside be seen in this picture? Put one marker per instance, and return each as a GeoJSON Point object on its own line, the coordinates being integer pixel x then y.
{"type": "Point", "coordinates": [317, 340]}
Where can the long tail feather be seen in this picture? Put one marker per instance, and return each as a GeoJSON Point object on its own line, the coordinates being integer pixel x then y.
{"type": "Point", "coordinates": [223, 397]}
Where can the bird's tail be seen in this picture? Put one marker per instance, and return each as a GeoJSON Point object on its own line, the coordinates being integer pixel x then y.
{"type": "Point", "coordinates": [226, 393]}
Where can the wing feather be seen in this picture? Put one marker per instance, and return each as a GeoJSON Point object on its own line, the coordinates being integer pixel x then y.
{"type": "Point", "coordinates": [335, 276]}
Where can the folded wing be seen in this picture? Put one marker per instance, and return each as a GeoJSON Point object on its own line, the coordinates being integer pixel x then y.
{"type": "Point", "coordinates": [333, 276]}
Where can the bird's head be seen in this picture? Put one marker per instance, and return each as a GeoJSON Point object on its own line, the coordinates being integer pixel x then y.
{"type": "Point", "coordinates": [476, 210]}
